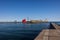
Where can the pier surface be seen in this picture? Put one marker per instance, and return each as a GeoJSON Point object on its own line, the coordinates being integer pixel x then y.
{"type": "Point", "coordinates": [49, 34]}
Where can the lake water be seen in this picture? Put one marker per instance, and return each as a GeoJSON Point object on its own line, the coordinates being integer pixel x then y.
{"type": "Point", "coordinates": [14, 31]}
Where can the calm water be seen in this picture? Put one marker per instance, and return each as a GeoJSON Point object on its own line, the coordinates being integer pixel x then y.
{"type": "Point", "coordinates": [13, 31]}
{"type": "Point", "coordinates": [58, 23]}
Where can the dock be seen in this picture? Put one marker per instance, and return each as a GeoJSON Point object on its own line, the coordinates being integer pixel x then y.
{"type": "Point", "coordinates": [49, 34]}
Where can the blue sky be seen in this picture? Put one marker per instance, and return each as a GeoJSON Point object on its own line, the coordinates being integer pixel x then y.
{"type": "Point", "coordinates": [11, 10]}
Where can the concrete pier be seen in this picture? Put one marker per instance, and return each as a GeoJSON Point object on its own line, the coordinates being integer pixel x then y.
{"type": "Point", "coordinates": [49, 34]}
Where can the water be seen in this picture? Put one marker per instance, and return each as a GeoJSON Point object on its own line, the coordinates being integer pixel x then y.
{"type": "Point", "coordinates": [13, 31]}
{"type": "Point", "coordinates": [58, 23]}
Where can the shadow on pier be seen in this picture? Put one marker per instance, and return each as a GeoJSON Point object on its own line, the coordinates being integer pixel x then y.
{"type": "Point", "coordinates": [51, 26]}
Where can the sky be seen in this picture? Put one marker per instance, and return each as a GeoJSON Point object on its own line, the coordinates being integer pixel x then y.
{"type": "Point", "coordinates": [11, 10]}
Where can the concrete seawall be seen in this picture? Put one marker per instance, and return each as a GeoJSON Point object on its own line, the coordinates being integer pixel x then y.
{"type": "Point", "coordinates": [50, 34]}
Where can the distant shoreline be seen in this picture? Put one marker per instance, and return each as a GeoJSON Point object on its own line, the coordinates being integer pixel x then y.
{"type": "Point", "coordinates": [21, 22]}
{"type": "Point", "coordinates": [10, 22]}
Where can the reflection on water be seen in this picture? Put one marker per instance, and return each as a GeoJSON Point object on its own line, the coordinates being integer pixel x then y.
{"type": "Point", "coordinates": [12, 31]}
